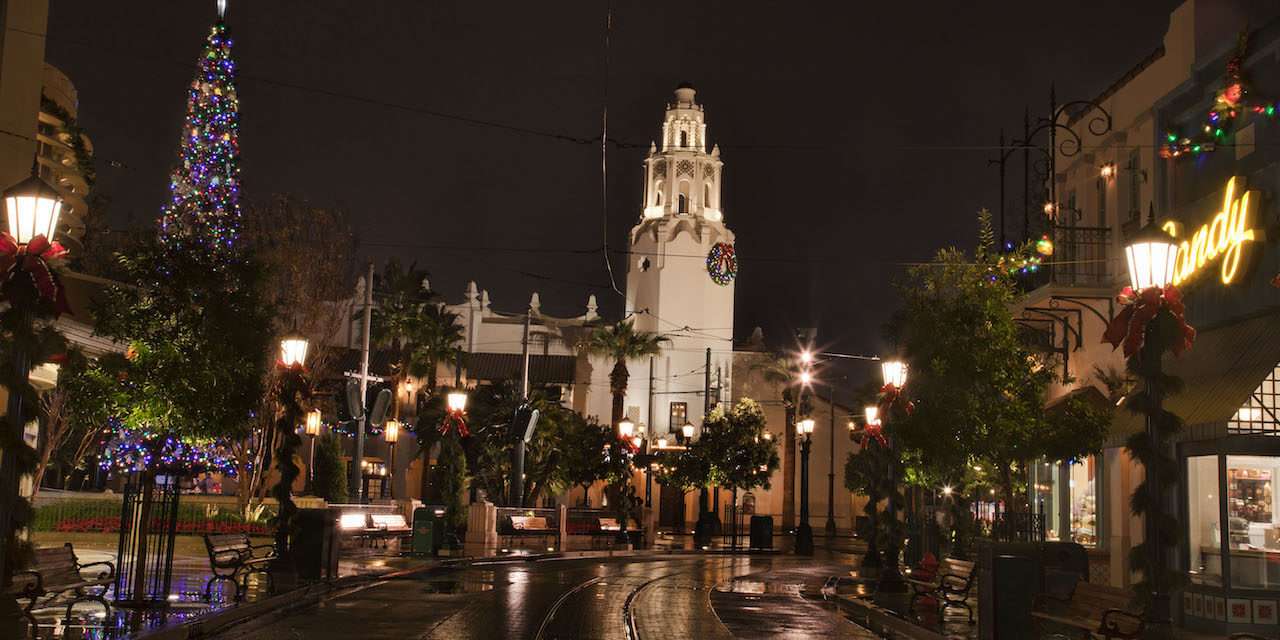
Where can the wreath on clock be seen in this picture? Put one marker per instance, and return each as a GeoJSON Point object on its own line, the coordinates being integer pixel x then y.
{"type": "Point", "coordinates": [722, 263]}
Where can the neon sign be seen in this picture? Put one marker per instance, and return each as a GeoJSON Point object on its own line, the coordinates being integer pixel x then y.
{"type": "Point", "coordinates": [1223, 237]}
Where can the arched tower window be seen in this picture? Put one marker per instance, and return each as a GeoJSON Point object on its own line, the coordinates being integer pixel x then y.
{"type": "Point", "coordinates": [657, 189]}
{"type": "Point", "coordinates": [684, 204]}
{"type": "Point", "coordinates": [684, 139]}
{"type": "Point", "coordinates": [706, 195]}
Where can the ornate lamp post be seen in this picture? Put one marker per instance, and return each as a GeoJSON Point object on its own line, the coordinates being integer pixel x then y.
{"type": "Point", "coordinates": [895, 378]}
{"type": "Point", "coordinates": [1150, 255]}
{"type": "Point", "coordinates": [804, 533]}
{"type": "Point", "coordinates": [293, 388]}
{"type": "Point", "coordinates": [32, 208]}
{"type": "Point", "coordinates": [871, 560]}
{"type": "Point", "coordinates": [390, 435]}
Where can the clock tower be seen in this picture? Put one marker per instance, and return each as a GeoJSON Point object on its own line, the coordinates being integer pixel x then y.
{"type": "Point", "coordinates": [681, 273]}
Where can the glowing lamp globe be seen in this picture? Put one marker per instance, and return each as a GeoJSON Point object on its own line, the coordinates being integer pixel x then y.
{"type": "Point", "coordinates": [312, 425]}
{"type": "Point", "coordinates": [895, 372]}
{"type": "Point", "coordinates": [806, 378]}
{"type": "Point", "coordinates": [33, 208]}
{"type": "Point", "coordinates": [626, 428]}
{"type": "Point", "coordinates": [805, 427]}
{"type": "Point", "coordinates": [293, 351]}
{"type": "Point", "coordinates": [687, 430]}
{"type": "Point", "coordinates": [391, 432]}
{"type": "Point", "coordinates": [1150, 253]}
{"type": "Point", "coordinates": [457, 401]}
{"type": "Point", "coordinates": [872, 414]}
{"type": "Point", "coordinates": [806, 356]}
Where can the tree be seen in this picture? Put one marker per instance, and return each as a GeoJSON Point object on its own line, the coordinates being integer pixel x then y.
{"type": "Point", "coordinates": [200, 339]}
{"type": "Point", "coordinates": [412, 322]}
{"type": "Point", "coordinates": [741, 452]}
{"type": "Point", "coordinates": [203, 211]}
{"type": "Point", "coordinates": [306, 296]}
{"type": "Point", "coordinates": [74, 415]}
{"type": "Point", "coordinates": [621, 342]}
{"type": "Point", "coordinates": [978, 387]}
{"type": "Point", "coordinates": [582, 453]}
{"type": "Point", "coordinates": [784, 371]}
{"type": "Point", "coordinates": [331, 472]}
{"type": "Point", "coordinates": [492, 440]}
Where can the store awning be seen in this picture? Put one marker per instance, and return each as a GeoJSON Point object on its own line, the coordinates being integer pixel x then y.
{"type": "Point", "coordinates": [1223, 367]}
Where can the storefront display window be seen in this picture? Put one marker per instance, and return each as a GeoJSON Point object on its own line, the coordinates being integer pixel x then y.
{"type": "Point", "coordinates": [1258, 415]}
{"type": "Point", "coordinates": [1082, 482]}
{"type": "Point", "coordinates": [1203, 508]}
{"type": "Point", "coordinates": [1044, 483]}
{"type": "Point", "coordinates": [1252, 521]}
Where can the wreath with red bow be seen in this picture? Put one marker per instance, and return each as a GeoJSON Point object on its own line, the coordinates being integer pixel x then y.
{"type": "Point", "coordinates": [454, 420]}
{"type": "Point", "coordinates": [1129, 327]}
{"type": "Point", "coordinates": [31, 273]}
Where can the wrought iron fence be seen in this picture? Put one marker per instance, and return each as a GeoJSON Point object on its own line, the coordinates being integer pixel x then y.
{"type": "Point", "coordinates": [148, 525]}
{"type": "Point", "coordinates": [1012, 526]}
{"type": "Point", "coordinates": [1080, 256]}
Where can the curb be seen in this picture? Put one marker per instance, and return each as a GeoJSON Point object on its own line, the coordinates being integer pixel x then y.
{"type": "Point", "coordinates": [877, 620]}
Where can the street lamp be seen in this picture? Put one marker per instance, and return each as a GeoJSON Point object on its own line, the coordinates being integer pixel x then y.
{"type": "Point", "coordinates": [626, 428]}
{"type": "Point", "coordinates": [1151, 254]}
{"type": "Point", "coordinates": [457, 401]}
{"type": "Point", "coordinates": [33, 208]}
{"type": "Point", "coordinates": [391, 434]}
{"type": "Point", "coordinates": [293, 385]}
{"type": "Point", "coordinates": [312, 427]}
{"type": "Point", "coordinates": [895, 378]}
{"type": "Point", "coordinates": [804, 533]}
{"type": "Point", "coordinates": [687, 432]}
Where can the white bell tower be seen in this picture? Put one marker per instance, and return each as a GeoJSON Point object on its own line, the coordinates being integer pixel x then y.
{"type": "Point", "coordinates": [681, 272]}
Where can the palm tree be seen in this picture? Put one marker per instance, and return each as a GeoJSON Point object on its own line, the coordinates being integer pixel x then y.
{"type": "Point", "coordinates": [783, 371]}
{"type": "Point", "coordinates": [436, 341]}
{"type": "Point", "coordinates": [412, 322]}
{"type": "Point", "coordinates": [622, 342]}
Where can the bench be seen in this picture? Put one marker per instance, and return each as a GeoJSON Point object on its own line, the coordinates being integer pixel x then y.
{"type": "Point", "coordinates": [385, 526]}
{"type": "Point", "coordinates": [950, 587]}
{"type": "Point", "coordinates": [56, 572]}
{"type": "Point", "coordinates": [1094, 610]}
{"type": "Point", "coordinates": [512, 527]}
{"type": "Point", "coordinates": [232, 557]}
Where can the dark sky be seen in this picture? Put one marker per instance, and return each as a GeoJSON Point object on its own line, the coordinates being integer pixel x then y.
{"type": "Point", "coordinates": [834, 120]}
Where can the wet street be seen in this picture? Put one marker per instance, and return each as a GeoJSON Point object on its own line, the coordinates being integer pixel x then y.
{"type": "Point", "coordinates": [643, 598]}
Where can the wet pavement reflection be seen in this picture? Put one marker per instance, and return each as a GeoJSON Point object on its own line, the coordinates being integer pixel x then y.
{"type": "Point", "coordinates": [655, 597]}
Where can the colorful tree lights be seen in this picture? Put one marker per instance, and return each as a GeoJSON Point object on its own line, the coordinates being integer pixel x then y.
{"type": "Point", "coordinates": [1230, 104]}
{"type": "Point", "coordinates": [204, 188]}
{"type": "Point", "coordinates": [138, 450]}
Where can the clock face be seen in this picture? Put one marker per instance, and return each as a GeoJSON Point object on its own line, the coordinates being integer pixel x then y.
{"type": "Point", "coordinates": [722, 263]}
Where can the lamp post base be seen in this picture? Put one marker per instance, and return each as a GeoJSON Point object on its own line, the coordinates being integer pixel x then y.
{"type": "Point", "coordinates": [804, 539]}
{"type": "Point", "coordinates": [831, 528]}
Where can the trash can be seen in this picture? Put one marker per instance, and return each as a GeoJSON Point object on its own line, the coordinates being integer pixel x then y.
{"type": "Point", "coordinates": [1005, 593]}
{"type": "Point", "coordinates": [315, 548]}
{"type": "Point", "coordinates": [428, 530]}
{"type": "Point", "coordinates": [761, 532]}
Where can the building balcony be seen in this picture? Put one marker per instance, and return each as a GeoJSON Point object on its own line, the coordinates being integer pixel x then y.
{"type": "Point", "coordinates": [1081, 257]}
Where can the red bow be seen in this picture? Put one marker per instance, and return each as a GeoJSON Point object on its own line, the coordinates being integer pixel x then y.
{"type": "Point", "coordinates": [890, 396]}
{"type": "Point", "coordinates": [35, 260]}
{"type": "Point", "coordinates": [1129, 327]}
{"type": "Point", "coordinates": [874, 430]}
{"type": "Point", "coordinates": [453, 420]}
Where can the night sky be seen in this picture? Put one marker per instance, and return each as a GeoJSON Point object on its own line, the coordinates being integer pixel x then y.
{"type": "Point", "coordinates": [847, 128]}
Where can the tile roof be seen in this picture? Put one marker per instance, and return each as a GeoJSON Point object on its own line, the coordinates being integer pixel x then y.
{"type": "Point", "coordinates": [506, 366]}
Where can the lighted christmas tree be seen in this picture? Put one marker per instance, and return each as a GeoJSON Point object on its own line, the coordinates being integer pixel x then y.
{"type": "Point", "coordinates": [204, 188]}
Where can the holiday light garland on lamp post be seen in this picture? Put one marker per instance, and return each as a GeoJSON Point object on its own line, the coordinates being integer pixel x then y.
{"type": "Point", "coordinates": [293, 388]}
{"type": "Point", "coordinates": [891, 402]}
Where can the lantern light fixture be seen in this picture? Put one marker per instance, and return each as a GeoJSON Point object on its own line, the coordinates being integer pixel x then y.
{"type": "Point", "coordinates": [895, 373]}
{"type": "Point", "coordinates": [457, 401]}
{"type": "Point", "coordinates": [33, 207]}
{"type": "Point", "coordinates": [687, 430]}
{"type": "Point", "coordinates": [1107, 171]}
{"type": "Point", "coordinates": [1151, 254]}
{"type": "Point", "coordinates": [805, 427]}
{"type": "Point", "coordinates": [293, 350]}
{"type": "Point", "coordinates": [626, 428]}
{"type": "Point", "coordinates": [872, 414]}
{"type": "Point", "coordinates": [391, 432]}
{"type": "Point", "coordinates": [312, 424]}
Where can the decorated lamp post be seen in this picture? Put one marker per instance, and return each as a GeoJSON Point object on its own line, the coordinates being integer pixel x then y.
{"type": "Point", "coordinates": [291, 391]}
{"type": "Point", "coordinates": [32, 289]}
{"type": "Point", "coordinates": [872, 435]}
{"type": "Point", "coordinates": [891, 402]}
{"type": "Point", "coordinates": [390, 435]}
{"type": "Point", "coordinates": [804, 533]}
{"type": "Point", "coordinates": [1151, 323]}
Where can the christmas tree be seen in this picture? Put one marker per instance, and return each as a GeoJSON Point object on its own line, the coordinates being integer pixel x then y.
{"type": "Point", "coordinates": [203, 211]}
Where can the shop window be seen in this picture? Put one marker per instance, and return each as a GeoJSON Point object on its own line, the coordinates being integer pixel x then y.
{"type": "Point", "coordinates": [1102, 202]}
{"type": "Point", "coordinates": [678, 416]}
{"type": "Point", "coordinates": [1083, 491]}
{"type": "Point", "coordinates": [1258, 415]}
{"type": "Point", "coordinates": [1252, 521]}
{"type": "Point", "coordinates": [1044, 480]}
{"type": "Point", "coordinates": [1204, 535]}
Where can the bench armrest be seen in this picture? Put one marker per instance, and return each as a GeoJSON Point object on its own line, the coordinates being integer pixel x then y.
{"type": "Point", "coordinates": [271, 550]}
{"type": "Point", "coordinates": [109, 573]}
{"type": "Point", "coordinates": [31, 590]}
{"type": "Point", "coordinates": [1109, 625]}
